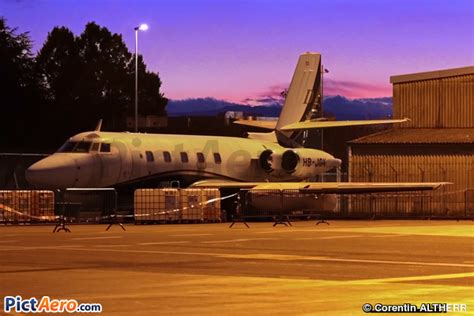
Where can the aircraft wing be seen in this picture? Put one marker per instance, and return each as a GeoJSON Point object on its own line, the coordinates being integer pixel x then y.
{"type": "Point", "coordinates": [310, 124]}
{"type": "Point", "coordinates": [326, 187]}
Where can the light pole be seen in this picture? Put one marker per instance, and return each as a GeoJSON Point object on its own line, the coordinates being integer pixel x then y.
{"type": "Point", "coordinates": [323, 71]}
{"type": "Point", "coordinates": [141, 27]}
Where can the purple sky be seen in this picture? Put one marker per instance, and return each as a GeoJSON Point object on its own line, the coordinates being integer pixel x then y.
{"type": "Point", "coordinates": [241, 49]}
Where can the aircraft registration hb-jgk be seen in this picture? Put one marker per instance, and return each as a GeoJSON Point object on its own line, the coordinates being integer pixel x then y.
{"type": "Point", "coordinates": [263, 161]}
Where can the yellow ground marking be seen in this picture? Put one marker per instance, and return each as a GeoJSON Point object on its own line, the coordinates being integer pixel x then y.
{"type": "Point", "coordinates": [452, 231]}
{"type": "Point", "coordinates": [341, 237]}
{"type": "Point", "coordinates": [252, 256]}
{"type": "Point", "coordinates": [235, 240]}
{"type": "Point", "coordinates": [93, 238]}
{"type": "Point", "coordinates": [163, 243]}
{"type": "Point", "coordinates": [190, 235]}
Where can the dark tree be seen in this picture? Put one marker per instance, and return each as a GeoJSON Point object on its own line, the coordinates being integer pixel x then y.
{"type": "Point", "coordinates": [104, 89]}
{"type": "Point", "coordinates": [152, 101]}
{"type": "Point", "coordinates": [19, 89]}
{"type": "Point", "coordinates": [92, 76]}
{"type": "Point", "coordinates": [58, 63]}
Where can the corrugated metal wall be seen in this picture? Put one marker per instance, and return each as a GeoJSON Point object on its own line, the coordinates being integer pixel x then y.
{"type": "Point", "coordinates": [436, 103]}
{"type": "Point", "coordinates": [458, 169]}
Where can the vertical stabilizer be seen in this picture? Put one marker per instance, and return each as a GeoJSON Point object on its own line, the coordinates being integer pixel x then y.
{"type": "Point", "coordinates": [303, 100]}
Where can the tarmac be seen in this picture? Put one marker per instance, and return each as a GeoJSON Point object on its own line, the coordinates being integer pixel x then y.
{"type": "Point", "coordinates": [210, 269]}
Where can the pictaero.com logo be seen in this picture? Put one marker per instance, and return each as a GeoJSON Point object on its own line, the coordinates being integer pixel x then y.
{"type": "Point", "coordinates": [17, 304]}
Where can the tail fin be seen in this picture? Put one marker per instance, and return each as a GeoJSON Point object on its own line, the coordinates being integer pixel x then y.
{"type": "Point", "coordinates": [303, 100]}
{"type": "Point", "coordinates": [302, 109]}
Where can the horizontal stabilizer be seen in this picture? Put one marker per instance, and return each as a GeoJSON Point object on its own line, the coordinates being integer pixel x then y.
{"type": "Point", "coordinates": [264, 137]}
{"type": "Point", "coordinates": [311, 124]}
{"type": "Point", "coordinates": [326, 187]}
{"type": "Point", "coordinates": [270, 125]}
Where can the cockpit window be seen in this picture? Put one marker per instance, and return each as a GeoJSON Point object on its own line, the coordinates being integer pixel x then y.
{"type": "Point", "coordinates": [75, 147]}
{"type": "Point", "coordinates": [68, 147]}
{"type": "Point", "coordinates": [105, 148]}
{"type": "Point", "coordinates": [83, 147]}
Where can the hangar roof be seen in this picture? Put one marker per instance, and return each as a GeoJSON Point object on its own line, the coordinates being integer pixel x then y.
{"type": "Point", "coordinates": [419, 136]}
{"type": "Point", "coordinates": [433, 74]}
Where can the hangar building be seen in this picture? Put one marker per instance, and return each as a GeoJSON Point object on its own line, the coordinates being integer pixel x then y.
{"type": "Point", "coordinates": [436, 145]}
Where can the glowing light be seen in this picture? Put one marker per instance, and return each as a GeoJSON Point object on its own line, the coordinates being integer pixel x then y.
{"type": "Point", "coordinates": [143, 27]}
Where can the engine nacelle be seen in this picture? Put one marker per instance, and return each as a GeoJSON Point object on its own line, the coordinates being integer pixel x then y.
{"type": "Point", "coordinates": [266, 160]}
{"type": "Point", "coordinates": [272, 162]}
{"type": "Point", "coordinates": [301, 163]}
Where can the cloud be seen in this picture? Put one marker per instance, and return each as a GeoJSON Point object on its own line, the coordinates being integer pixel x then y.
{"type": "Point", "coordinates": [348, 89]}
{"type": "Point", "coordinates": [355, 90]}
{"type": "Point", "coordinates": [337, 106]}
{"type": "Point", "coordinates": [270, 96]}
{"type": "Point", "coordinates": [211, 107]}
{"type": "Point", "coordinates": [344, 100]}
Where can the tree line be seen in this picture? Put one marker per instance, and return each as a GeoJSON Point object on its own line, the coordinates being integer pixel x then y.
{"type": "Point", "coordinates": [70, 84]}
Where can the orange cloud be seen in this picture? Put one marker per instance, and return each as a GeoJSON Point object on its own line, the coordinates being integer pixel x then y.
{"type": "Point", "coordinates": [355, 90]}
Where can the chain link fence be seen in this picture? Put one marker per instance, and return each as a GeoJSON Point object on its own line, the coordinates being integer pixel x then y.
{"type": "Point", "coordinates": [210, 205]}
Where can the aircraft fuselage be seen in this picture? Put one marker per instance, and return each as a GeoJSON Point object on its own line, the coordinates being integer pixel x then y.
{"type": "Point", "coordinates": [104, 159]}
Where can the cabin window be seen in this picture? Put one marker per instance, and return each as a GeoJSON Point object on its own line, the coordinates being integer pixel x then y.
{"type": "Point", "coordinates": [95, 147]}
{"type": "Point", "coordinates": [217, 158]}
{"type": "Point", "coordinates": [149, 156]}
{"type": "Point", "coordinates": [83, 147]}
{"type": "Point", "coordinates": [105, 148]}
{"type": "Point", "coordinates": [200, 157]}
{"type": "Point", "coordinates": [166, 156]}
{"type": "Point", "coordinates": [184, 157]}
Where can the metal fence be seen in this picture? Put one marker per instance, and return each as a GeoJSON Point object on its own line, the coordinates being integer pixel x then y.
{"type": "Point", "coordinates": [469, 203]}
{"type": "Point", "coordinates": [210, 205]}
{"type": "Point", "coordinates": [87, 205]}
{"type": "Point", "coordinates": [415, 205]}
{"type": "Point", "coordinates": [447, 200]}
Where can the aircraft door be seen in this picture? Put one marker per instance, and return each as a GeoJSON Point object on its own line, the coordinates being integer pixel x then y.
{"type": "Point", "coordinates": [110, 155]}
{"type": "Point", "coordinates": [125, 161]}
{"type": "Point", "coordinates": [138, 167]}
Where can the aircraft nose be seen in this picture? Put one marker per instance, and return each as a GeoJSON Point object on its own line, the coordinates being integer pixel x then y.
{"type": "Point", "coordinates": [56, 171]}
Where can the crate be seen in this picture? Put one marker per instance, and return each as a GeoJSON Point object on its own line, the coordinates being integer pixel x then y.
{"type": "Point", "coordinates": [44, 202]}
{"type": "Point", "coordinates": [154, 205]}
{"type": "Point", "coordinates": [7, 211]}
{"type": "Point", "coordinates": [141, 205]}
{"type": "Point", "coordinates": [26, 206]}
{"type": "Point", "coordinates": [191, 204]}
{"type": "Point", "coordinates": [169, 207]}
{"type": "Point", "coordinates": [211, 205]}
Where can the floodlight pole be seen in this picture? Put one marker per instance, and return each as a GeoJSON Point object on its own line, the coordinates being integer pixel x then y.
{"type": "Point", "coordinates": [321, 131]}
{"type": "Point", "coordinates": [323, 71]}
{"type": "Point", "coordinates": [136, 78]}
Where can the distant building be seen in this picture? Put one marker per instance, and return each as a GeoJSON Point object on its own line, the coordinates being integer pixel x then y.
{"type": "Point", "coordinates": [231, 116]}
{"type": "Point", "coordinates": [149, 121]}
{"type": "Point", "coordinates": [436, 145]}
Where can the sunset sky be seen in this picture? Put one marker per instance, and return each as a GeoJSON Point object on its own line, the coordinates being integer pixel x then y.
{"type": "Point", "coordinates": [239, 49]}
